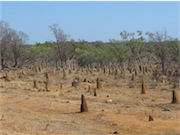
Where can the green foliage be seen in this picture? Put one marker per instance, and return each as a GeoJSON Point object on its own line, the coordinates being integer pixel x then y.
{"type": "Point", "coordinates": [122, 52]}
{"type": "Point", "coordinates": [40, 51]}
{"type": "Point", "coordinates": [85, 54]}
{"type": "Point", "coordinates": [131, 49]}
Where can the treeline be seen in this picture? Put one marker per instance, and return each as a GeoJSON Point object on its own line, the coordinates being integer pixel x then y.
{"type": "Point", "coordinates": [133, 51]}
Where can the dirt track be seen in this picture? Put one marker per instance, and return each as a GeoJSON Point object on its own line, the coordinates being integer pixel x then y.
{"type": "Point", "coordinates": [25, 110]}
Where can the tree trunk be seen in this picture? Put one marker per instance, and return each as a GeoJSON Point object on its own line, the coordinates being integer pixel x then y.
{"type": "Point", "coordinates": [163, 64]}
{"type": "Point", "coordinates": [2, 62]}
{"type": "Point", "coordinates": [15, 62]}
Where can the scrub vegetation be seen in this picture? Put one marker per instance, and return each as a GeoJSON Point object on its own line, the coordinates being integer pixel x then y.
{"type": "Point", "coordinates": [126, 86]}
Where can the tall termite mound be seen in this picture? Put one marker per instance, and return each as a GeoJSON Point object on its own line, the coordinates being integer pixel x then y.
{"type": "Point", "coordinates": [35, 84]}
{"type": "Point", "coordinates": [47, 82]}
{"type": "Point", "coordinates": [64, 74]}
{"type": "Point", "coordinates": [99, 85]}
{"type": "Point", "coordinates": [175, 97]}
{"type": "Point", "coordinates": [132, 77]}
{"type": "Point", "coordinates": [23, 72]}
{"type": "Point", "coordinates": [95, 94]}
{"type": "Point", "coordinates": [151, 118]}
{"type": "Point", "coordinates": [144, 87]}
{"type": "Point", "coordinates": [7, 76]}
{"type": "Point", "coordinates": [84, 107]}
{"type": "Point", "coordinates": [135, 72]}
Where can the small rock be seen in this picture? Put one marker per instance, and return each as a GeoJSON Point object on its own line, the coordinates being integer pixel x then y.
{"type": "Point", "coordinates": [109, 101]}
{"type": "Point", "coordinates": [107, 96]}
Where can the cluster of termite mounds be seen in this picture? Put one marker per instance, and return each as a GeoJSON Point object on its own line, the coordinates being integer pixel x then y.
{"type": "Point", "coordinates": [144, 88]}
{"type": "Point", "coordinates": [98, 86]}
{"type": "Point", "coordinates": [98, 83]}
{"type": "Point", "coordinates": [83, 106]}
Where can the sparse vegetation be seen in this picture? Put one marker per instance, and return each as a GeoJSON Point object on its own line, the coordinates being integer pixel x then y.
{"type": "Point", "coordinates": [112, 75]}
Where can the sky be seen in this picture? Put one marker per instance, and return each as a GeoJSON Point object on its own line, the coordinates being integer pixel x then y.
{"type": "Point", "coordinates": [91, 21]}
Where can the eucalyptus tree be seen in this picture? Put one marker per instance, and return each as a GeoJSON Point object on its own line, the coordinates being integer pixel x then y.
{"type": "Point", "coordinates": [166, 49]}
{"type": "Point", "coordinates": [11, 44]}
{"type": "Point", "coordinates": [4, 48]}
{"type": "Point", "coordinates": [85, 54]}
{"type": "Point", "coordinates": [40, 54]}
{"type": "Point", "coordinates": [122, 53]}
{"type": "Point", "coordinates": [136, 46]}
{"type": "Point", "coordinates": [17, 41]}
{"type": "Point", "coordinates": [61, 47]}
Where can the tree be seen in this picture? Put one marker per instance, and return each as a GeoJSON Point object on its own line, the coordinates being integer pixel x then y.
{"type": "Point", "coordinates": [4, 48]}
{"type": "Point", "coordinates": [40, 52]}
{"type": "Point", "coordinates": [164, 47]}
{"type": "Point", "coordinates": [16, 41]}
{"type": "Point", "coordinates": [11, 44]}
{"type": "Point", "coordinates": [136, 46]}
{"type": "Point", "coordinates": [61, 39]}
{"type": "Point", "coordinates": [85, 54]}
{"type": "Point", "coordinates": [122, 53]}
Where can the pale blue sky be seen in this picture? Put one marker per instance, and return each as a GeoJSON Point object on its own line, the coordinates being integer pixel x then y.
{"type": "Point", "coordinates": [91, 21]}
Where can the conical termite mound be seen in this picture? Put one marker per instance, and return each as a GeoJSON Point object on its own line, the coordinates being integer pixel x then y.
{"type": "Point", "coordinates": [64, 74]}
{"type": "Point", "coordinates": [36, 70]}
{"type": "Point", "coordinates": [7, 76]}
{"type": "Point", "coordinates": [40, 68]}
{"type": "Point", "coordinates": [47, 82]}
{"type": "Point", "coordinates": [84, 107]}
{"type": "Point", "coordinates": [95, 94]}
{"type": "Point", "coordinates": [23, 72]}
{"type": "Point", "coordinates": [99, 85]}
{"type": "Point", "coordinates": [175, 97]}
{"type": "Point", "coordinates": [70, 71]}
{"type": "Point", "coordinates": [116, 72]}
{"type": "Point", "coordinates": [104, 70]}
{"type": "Point", "coordinates": [144, 87]}
{"type": "Point", "coordinates": [135, 72]}
{"type": "Point", "coordinates": [151, 118]}
{"type": "Point", "coordinates": [85, 80]}
{"type": "Point", "coordinates": [89, 88]}
{"type": "Point", "coordinates": [35, 84]}
{"type": "Point", "coordinates": [132, 77]}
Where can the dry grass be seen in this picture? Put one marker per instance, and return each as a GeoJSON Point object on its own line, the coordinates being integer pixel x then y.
{"type": "Point", "coordinates": [25, 110]}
